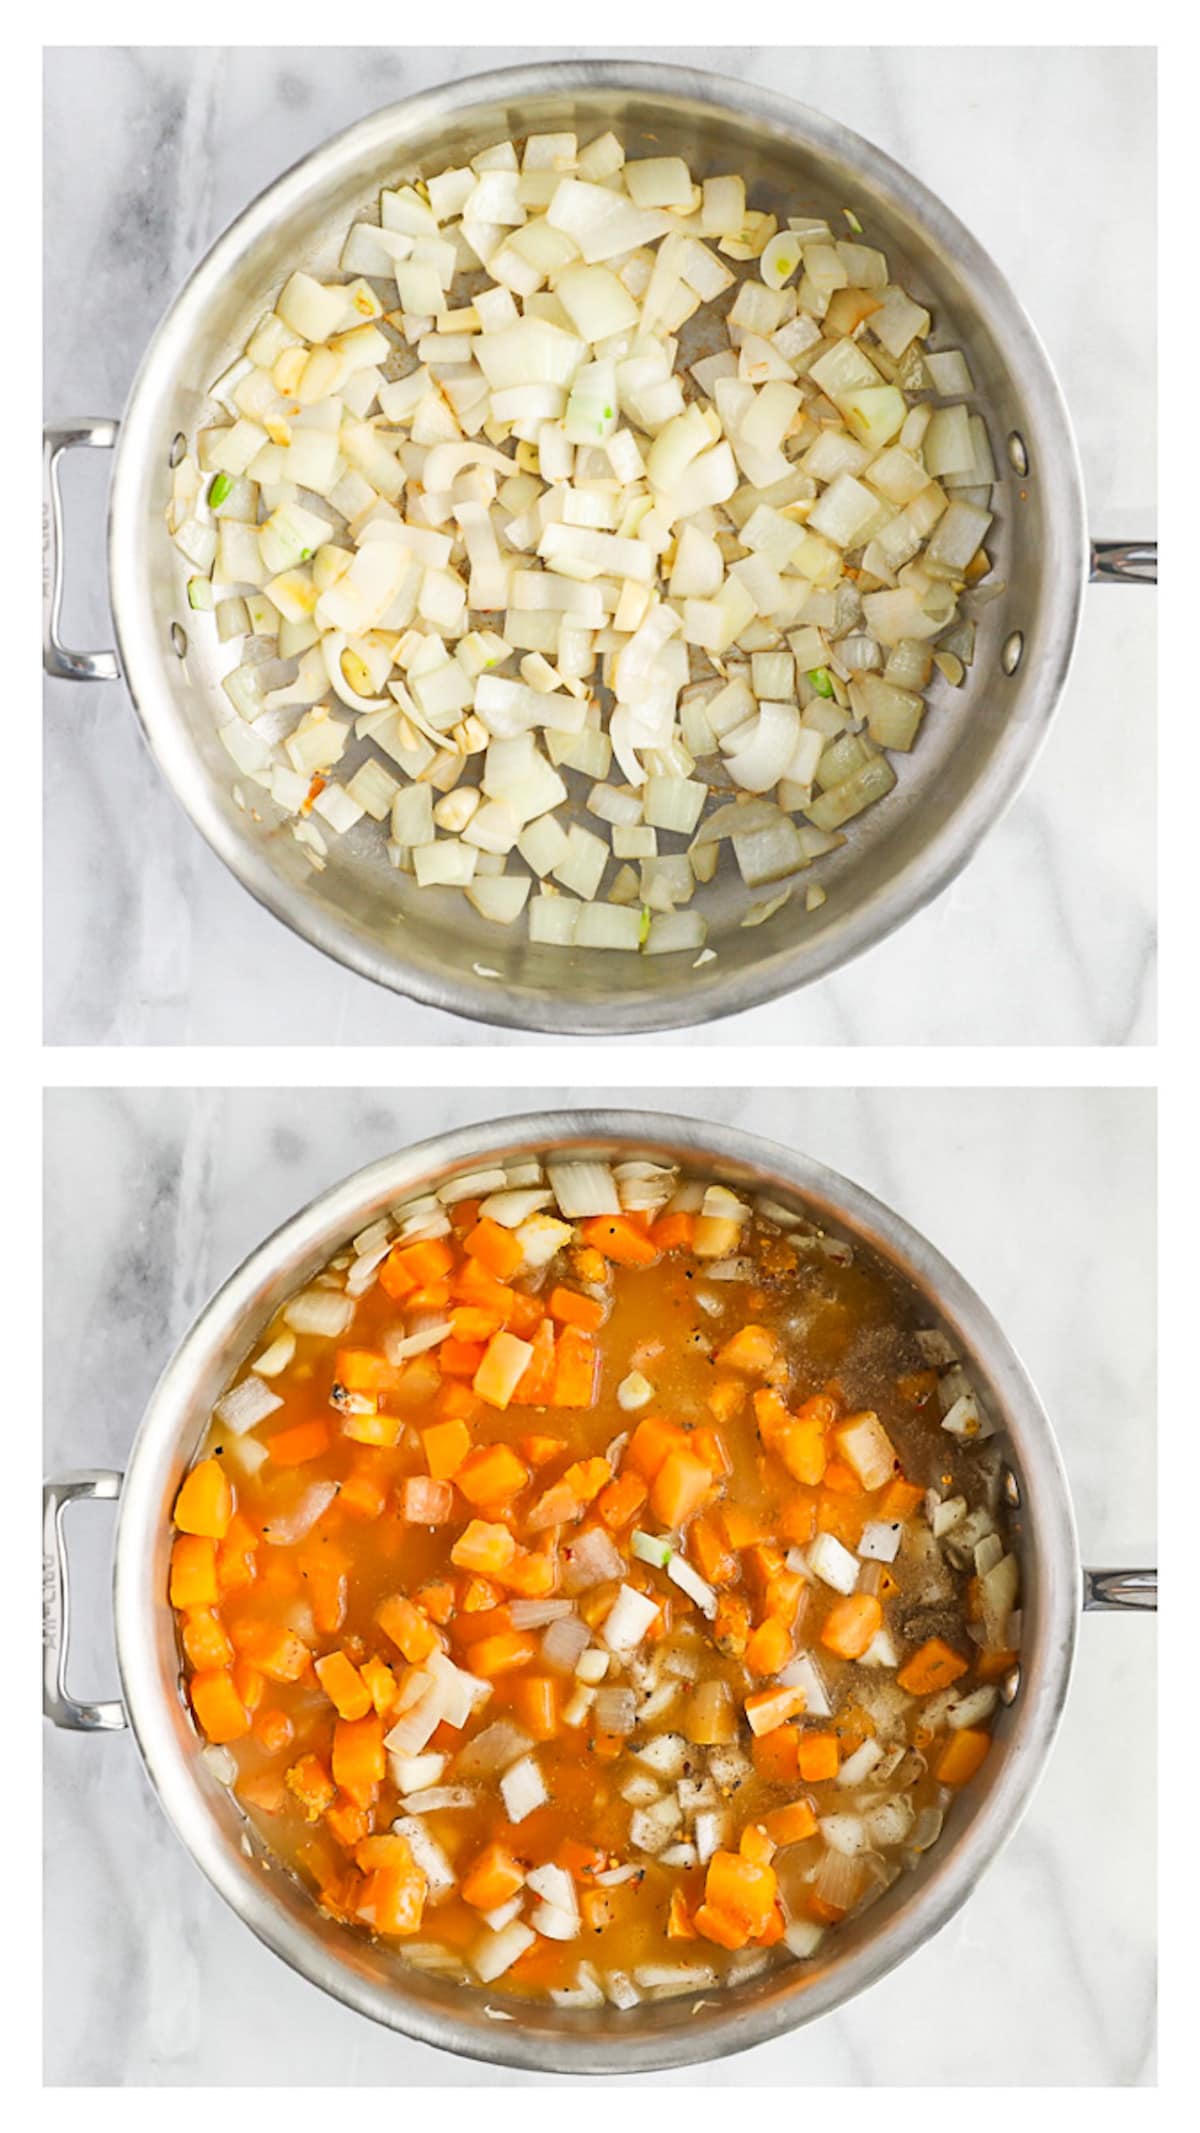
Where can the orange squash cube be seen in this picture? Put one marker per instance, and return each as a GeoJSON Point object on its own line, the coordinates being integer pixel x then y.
{"type": "Point", "coordinates": [204, 1504]}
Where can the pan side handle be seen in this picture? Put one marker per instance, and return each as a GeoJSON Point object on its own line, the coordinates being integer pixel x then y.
{"type": "Point", "coordinates": [1120, 1591]}
{"type": "Point", "coordinates": [57, 658]}
{"type": "Point", "coordinates": [1124, 563]}
{"type": "Point", "coordinates": [97, 1484]}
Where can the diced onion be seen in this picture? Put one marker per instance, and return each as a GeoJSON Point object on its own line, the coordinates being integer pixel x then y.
{"type": "Point", "coordinates": [537, 510]}
{"type": "Point", "coordinates": [591, 1558]}
{"type": "Point", "coordinates": [523, 1789]}
{"type": "Point", "coordinates": [324, 1312]}
{"type": "Point", "coordinates": [565, 1638]}
{"type": "Point", "coordinates": [497, 1952]}
{"type": "Point", "coordinates": [680, 1571]}
{"type": "Point", "coordinates": [534, 1614]}
{"type": "Point", "coordinates": [437, 1798]}
{"type": "Point", "coordinates": [583, 1189]}
{"type": "Point", "coordinates": [283, 1530]}
{"type": "Point", "coordinates": [628, 1620]}
{"type": "Point", "coordinates": [246, 1405]}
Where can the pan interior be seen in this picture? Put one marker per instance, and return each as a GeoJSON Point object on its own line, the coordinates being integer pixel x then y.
{"type": "Point", "coordinates": [374, 1978]}
{"type": "Point", "coordinates": [975, 743]}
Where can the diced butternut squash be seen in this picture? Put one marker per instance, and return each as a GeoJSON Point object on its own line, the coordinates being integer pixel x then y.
{"type": "Point", "coordinates": [535, 1704]}
{"type": "Point", "coordinates": [205, 1640]}
{"type": "Point", "coordinates": [619, 1504]}
{"type": "Point", "coordinates": [237, 1556]}
{"type": "Point", "coordinates": [681, 1485]}
{"type": "Point", "coordinates": [310, 1782]}
{"type": "Point", "coordinates": [673, 1233]}
{"type": "Point", "coordinates": [757, 1844]}
{"type": "Point", "coordinates": [530, 1573]}
{"type": "Point", "coordinates": [250, 1685]}
{"type": "Point", "coordinates": [731, 1625]}
{"type": "Point", "coordinates": [741, 1888]}
{"type": "Point", "coordinates": [492, 1475]}
{"type": "Point", "coordinates": [496, 1249]}
{"type": "Point", "coordinates": [791, 1824]}
{"type": "Point", "coordinates": [362, 1496]}
{"type": "Point", "coordinates": [409, 1628]}
{"type": "Point", "coordinates": [574, 1309]}
{"type": "Point", "coordinates": [483, 1547]}
{"type": "Point", "coordinates": [273, 1729]}
{"type": "Point", "coordinates": [770, 1647]}
{"type": "Point", "coordinates": [900, 1500]}
{"type": "Point", "coordinates": [502, 1654]}
{"type": "Point", "coordinates": [536, 1387]}
{"type": "Point", "coordinates": [742, 1528]}
{"type": "Point", "coordinates": [473, 1323]}
{"type": "Point", "coordinates": [363, 1370]}
{"type": "Point", "coordinates": [347, 1822]}
{"type": "Point", "coordinates": [501, 1368]}
{"type": "Point", "coordinates": [709, 1445]}
{"type": "Point", "coordinates": [438, 1600]}
{"type": "Point", "coordinates": [818, 1757]}
{"type": "Point", "coordinates": [380, 1430]}
{"type": "Point", "coordinates": [492, 1879]}
{"type": "Point", "coordinates": [446, 1445]}
{"type": "Point", "coordinates": [344, 1685]}
{"type": "Point", "coordinates": [410, 1266]}
{"type": "Point", "coordinates": [650, 1443]}
{"type": "Point", "coordinates": [774, 1755]}
{"type": "Point", "coordinates": [679, 1918]}
{"type": "Point", "coordinates": [327, 1578]}
{"type": "Point", "coordinates": [575, 1369]}
{"type": "Point", "coordinates": [962, 1756]}
{"type": "Point", "coordinates": [194, 1571]}
{"type": "Point", "coordinates": [277, 1651]}
{"type": "Point", "coordinates": [727, 1397]}
{"type": "Point", "coordinates": [204, 1504]}
{"type": "Point", "coordinates": [752, 1351]}
{"type": "Point", "coordinates": [801, 1446]}
{"type": "Point", "coordinates": [852, 1624]}
{"type": "Point", "coordinates": [359, 1763]}
{"type": "Point", "coordinates": [720, 1926]}
{"type": "Point", "coordinates": [217, 1706]}
{"type": "Point", "coordinates": [713, 1559]}
{"type": "Point", "coordinates": [298, 1445]}
{"type": "Point", "coordinates": [461, 1359]}
{"type": "Point", "coordinates": [768, 1708]}
{"type": "Point", "coordinates": [618, 1239]}
{"type": "Point", "coordinates": [393, 1900]}
{"type": "Point", "coordinates": [933, 1667]}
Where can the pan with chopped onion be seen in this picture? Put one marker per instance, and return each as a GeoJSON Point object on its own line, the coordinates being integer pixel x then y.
{"type": "Point", "coordinates": [594, 531]}
{"type": "Point", "coordinates": [596, 1587]}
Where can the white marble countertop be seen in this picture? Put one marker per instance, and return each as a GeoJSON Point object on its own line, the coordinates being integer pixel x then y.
{"type": "Point", "coordinates": [1048, 1975]}
{"type": "Point", "coordinates": [1048, 156]}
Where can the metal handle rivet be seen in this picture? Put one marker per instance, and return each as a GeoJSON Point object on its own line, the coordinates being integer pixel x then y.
{"type": "Point", "coordinates": [1012, 651]}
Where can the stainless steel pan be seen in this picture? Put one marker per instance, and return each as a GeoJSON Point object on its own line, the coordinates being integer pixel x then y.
{"type": "Point", "coordinates": [372, 1978]}
{"type": "Point", "coordinates": [976, 745]}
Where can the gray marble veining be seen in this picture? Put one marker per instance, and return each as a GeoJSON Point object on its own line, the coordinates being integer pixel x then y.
{"type": "Point", "coordinates": [1047, 155]}
{"type": "Point", "coordinates": [1045, 1201]}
